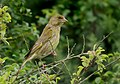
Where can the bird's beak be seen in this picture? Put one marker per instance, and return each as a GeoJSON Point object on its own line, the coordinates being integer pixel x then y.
{"type": "Point", "coordinates": [65, 20]}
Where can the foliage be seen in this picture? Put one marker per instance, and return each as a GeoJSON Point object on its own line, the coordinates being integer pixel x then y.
{"type": "Point", "coordinates": [21, 22]}
{"type": "Point", "coordinates": [4, 19]}
{"type": "Point", "coordinates": [93, 57]}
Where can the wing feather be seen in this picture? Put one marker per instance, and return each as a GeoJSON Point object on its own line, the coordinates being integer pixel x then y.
{"type": "Point", "coordinates": [45, 37]}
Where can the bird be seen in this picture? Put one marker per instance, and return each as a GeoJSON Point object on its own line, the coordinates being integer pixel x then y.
{"type": "Point", "coordinates": [47, 42]}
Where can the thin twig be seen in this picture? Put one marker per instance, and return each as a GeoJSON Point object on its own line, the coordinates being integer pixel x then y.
{"type": "Point", "coordinates": [58, 72]}
{"type": "Point", "coordinates": [37, 67]}
{"type": "Point", "coordinates": [25, 42]}
{"type": "Point", "coordinates": [68, 47]}
{"type": "Point", "coordinates": [72, 48]}
{"type": "Point", "coordinates": [67, 69]}
{"type": "Point", "coordinates": [83, 48]}
{"type": "Point", "coordinates": [99, 43]}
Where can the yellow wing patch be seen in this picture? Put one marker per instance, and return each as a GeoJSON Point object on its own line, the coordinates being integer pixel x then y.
{"type": "Point", "coordinates": [36, 47]}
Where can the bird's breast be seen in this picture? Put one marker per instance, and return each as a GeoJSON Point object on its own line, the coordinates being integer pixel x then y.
{"type": "Point", "coordinates": [55, 40]}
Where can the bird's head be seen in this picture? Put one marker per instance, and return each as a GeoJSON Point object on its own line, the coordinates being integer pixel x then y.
{"type": "Point", "coordinates": [57, 20]}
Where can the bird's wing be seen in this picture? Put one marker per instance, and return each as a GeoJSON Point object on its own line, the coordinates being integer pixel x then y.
{"type": "Point", "coordinates": [45, 37]}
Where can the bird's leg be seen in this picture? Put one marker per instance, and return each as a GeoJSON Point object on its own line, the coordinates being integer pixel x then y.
{"type": "Point", "coordinates": [53, 53]}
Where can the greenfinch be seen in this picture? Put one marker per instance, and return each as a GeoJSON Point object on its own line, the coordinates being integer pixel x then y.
{"type": "Point", "coordinates": [48, 41]}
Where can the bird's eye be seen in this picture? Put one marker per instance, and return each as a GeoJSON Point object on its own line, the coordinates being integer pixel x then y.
{"type": "Point", "coordinates": [60, 17]}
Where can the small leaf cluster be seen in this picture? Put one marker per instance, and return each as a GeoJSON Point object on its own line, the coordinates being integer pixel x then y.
{"type": "Point", "coordinates": [93, 57]}
{"type": "Point", "coordinates": [4, 19]}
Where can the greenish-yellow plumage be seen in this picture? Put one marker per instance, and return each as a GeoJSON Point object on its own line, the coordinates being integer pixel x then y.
{"type": "Point", "coordinates": [48, 41]}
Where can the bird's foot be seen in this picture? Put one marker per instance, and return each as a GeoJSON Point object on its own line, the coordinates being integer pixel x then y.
{"type": "Point", "coordinates": [54, 53]}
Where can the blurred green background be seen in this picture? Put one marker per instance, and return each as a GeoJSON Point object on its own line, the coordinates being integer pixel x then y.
{"type": "Point", "coordinates": [92, 19]}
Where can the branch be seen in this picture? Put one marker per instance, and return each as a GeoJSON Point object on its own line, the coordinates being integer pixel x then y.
{"type": "Point", "coordinates": [54, 64]}
{"type": "Point", "coordinates": [99, 43]}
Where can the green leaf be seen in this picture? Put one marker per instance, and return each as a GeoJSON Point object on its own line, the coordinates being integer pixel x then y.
{"type": "Point", "coordinates": [52, 76]}
{"type": "Point", "coordinates": [109, 74]}
{"type": "Point", "coordinates": [74, 74]}
{"type": "Point", "coordinates": [85, 61]}
{"type": "Point", "coordinates": [3, 60]}
{"type": "Point", "coordinates": [91, 54]}
{"type": "Point", "coordinates": [101, 66]}
{"type": "Point", "coordinates": [104, 57]}
{"type": "Point", "coordinates": [99, 50]}
{"type": "Point", "coordinates": [80, 69]}
{"type": "Point", "coordinates": [84, 58]}
{"type": "Point", "coordinates": [98, 80]}
{"type": "Point", "coordinates": [5, 8]}
{"type": "Point", "coordinates": [6, 75]}
{"type": "Point", "coordinates": [73, 81]}
{"type": "Point", "coordinates": [57, 78]}
{"type": "Point", "coordinates": [85, 64]}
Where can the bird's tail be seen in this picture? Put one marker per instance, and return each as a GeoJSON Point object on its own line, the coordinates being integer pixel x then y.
{"type": "Point", "coordinates": [21, 67]}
